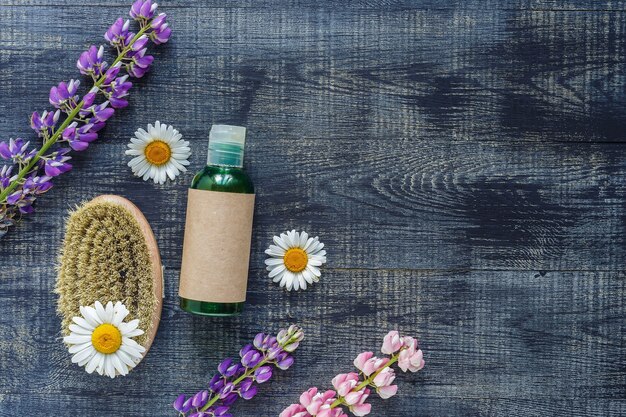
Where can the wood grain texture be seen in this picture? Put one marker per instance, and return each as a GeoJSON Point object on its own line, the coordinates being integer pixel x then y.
{"type": "Point", "coordinates": [463, 161]}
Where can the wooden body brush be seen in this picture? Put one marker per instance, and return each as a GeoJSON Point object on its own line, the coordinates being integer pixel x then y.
{"type": "Point", "coordinates": [110, 254]}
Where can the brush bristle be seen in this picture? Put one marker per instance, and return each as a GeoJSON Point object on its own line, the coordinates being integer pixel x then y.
{"type": "Point", "coordinates": [105, 257]}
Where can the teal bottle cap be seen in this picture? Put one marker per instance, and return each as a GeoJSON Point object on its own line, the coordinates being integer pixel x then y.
{"type": "Point", "coordinates": [226, 145]}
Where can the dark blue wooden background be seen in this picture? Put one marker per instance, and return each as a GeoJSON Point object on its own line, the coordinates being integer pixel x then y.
{"type": "Point", "coordinates": [463, 160]}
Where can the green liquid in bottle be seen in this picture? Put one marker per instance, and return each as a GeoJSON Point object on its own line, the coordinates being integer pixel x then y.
{"type": "Point", "coordinates": [226, 176]}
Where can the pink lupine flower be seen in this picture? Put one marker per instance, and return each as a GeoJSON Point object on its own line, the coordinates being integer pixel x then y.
{"type": "Point", "coordinates": [351, 388]}
{"type": "Point", "coordinates": [411, 357]}
{"type": "Point", "coordinates": [295, 410]}
{"type": "Point", "coordinates": [356, 402]}
{"type": "Point", "coordinates": [391, 343]}
{"type": "Point", "coordinates": [360, 360]}
{"type": "Point", "coordinates": [318, 404]}
{"type": "Point", "coordinates": [383, 382]}
{"type": "Point", "coordinates": [344, 383]}
{"type": "Point", "coordinates": [367, 363]}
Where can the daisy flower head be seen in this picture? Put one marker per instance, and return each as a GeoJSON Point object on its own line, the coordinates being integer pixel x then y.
{"type": "Point", "coordinates": [295, 259]}
{"type": "Point", "coordinates": [158, 153]}
{"type": "Point", "coordinates": [101, 341]}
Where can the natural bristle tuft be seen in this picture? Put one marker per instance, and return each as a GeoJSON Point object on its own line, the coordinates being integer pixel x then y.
{"type": "Point", "coordinates": [105, 257]}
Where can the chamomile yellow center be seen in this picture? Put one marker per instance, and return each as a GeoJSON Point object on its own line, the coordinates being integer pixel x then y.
{"type": "Point", "coordinates": [158, 152]}
{"type": "Point", "coordinates": [296, 259]}
{"type": "Point", "coordinates": [106, 338]}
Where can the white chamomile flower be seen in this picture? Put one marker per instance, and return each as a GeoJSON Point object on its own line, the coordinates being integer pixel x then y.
{"type": "Point", "coordinates": [100, 340]}
{"type": "Point", "coordinates": [295, 260]}
{"type": "Point", "coordinates": [158, 153]}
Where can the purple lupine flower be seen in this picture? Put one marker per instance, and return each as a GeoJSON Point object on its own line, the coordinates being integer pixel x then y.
{"type": "Point", "coordinates": [118, 34]}
{"type": "Point", "coordinates": [182, 404]}
{"type": "Point", "coordinates": [251, 358]}
{"type": "Point", "coordinates": [117, 90]}
{"type": "Point", "coordinates": [159, 21]}
{"type": "Point", "coordinates": [143, 9]}
{"type": "Point", "coordinates": [56, 163]}
{"type": "Point", "coordinates": [263, 374]}
{"type": "Point", "coordinates": [6, 220]}
{"type": "Point", "coordinates": [44, 124]}
{"type": "Point", "coordinates": [63, 96]}
{"type": "Point", "coordinates": [230, 399]}
{"type": "Point", "coordinates": [216, 383]}
{"type": "Point", "coordinates": [221, 411]}
{"type": "Point", "coordinates": [161, 32]}
{"type": "Point", "coordinates": [82, 129]}
{"type": "Point", "coordinates": [16, 150]}
{"type": "Point", "coordinates": [91, 61]}
{"type": "Point", "coordinates": [140, 63]}
{"type": "Point", "coordinates": [228, 368]}
{"type": "Point", "coordinates": [89, 98]}
{"type": "Point", "coordinates": [111, 73]}
{"type": "Point", "coordinates": [226, 390]}
{"type": "Point", "coordinates": [247, 389]}
{"type": "Point", "coordinates": [101, 112]}
{"type": "Point", "coordinates": [79, 137]}
{"type": "Point", "coordinates": [284, 361]}
{"type": "Point", "coordinates": [263, 342]}
{"type": "Point", "coordinates": [37, 185]}
{"type": "Point", "coordinates": [240, 380]}
{"type": "Point", "coordinates": [200, 399]}
{"type": "Point", "coordinates": [6, 176]}
{"type": "Point", "coordinates": [24, 198]}
{"type": "Point", "coordinates": [140, 43]}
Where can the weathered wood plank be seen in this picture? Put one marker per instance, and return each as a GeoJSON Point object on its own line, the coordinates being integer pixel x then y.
{"type": "Point", "coordinates": [417, 206]}
{"type": "Point", "coordinates": [460, 159]}
{"type": "Point", "coordinates": [496, 76]}
{"type": "Point", "coordinates": [493, 341]}
{"type": "Point", "coordinates": [432, 5]}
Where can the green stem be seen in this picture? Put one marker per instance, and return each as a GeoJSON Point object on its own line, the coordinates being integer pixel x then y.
{"type": "Point", "coordinates": [367, 381]}
{"type": "Point", "coordinates": [70, 118]}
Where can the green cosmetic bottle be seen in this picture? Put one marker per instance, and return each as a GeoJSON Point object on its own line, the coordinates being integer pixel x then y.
{"type": "Point", "coordinates": [218, 229]}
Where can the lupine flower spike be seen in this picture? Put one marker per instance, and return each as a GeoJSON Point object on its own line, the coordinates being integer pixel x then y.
{"type": "Point", "coordinates": [351, 390]}
{"type": "Point", "coordinates": [74, 122]}
{"type": "Point", "coordinates": [240, 378]}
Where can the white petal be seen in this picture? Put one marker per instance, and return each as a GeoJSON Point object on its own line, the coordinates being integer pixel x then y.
{"type": "Point", "coordinates": [273, 261]}
{"type": "Point", "coordinates": [129, 326]}
{"type": "Point", "coordinates": [280, 242]}
{"type": "Point", "coordinates": [118, 365]}
{"type": "Point", "coordinates": [296, 283]}
{"type": "Point", "coordinates": [125, 358]}
{"type": "Point", "coordinates": [308, 276]}
{"type": "Point", "coordinates": [102, 314]}
{"type": "Point", "coordinates": [314, 270]}
{"type": "Point", "coordinates": [83, 354]}
{"type": "Point", "coordinates": [100, 364]}
{"type": "Point", "coordinates": [302, 282]}
{"type": "Point", "coordinates": [89, 313]}
{"type": "Point", "coordinates": [303, 239]}
{"type": "Point", "coordinates": [93, 362]}
{"type": "Point", "coordinates": [276, 270]}
{"type": "Point", "coordinates": [80, 321]}
{"type": "Point", "coordinates": [275, 251]}
{"type": "Point", "coordinates": [88, 358]}
{"type": "Point", "coordinates": [279, 276]}
{"type": "Point", "coordinates": [77, 339]}
{"type": "Point", "coordinates": [308, 243]}
{"type": "Point", "coordinates": [315, 262]}
{"type": "Point", "coordinates": [109, 312]}
{"type": "Point", "coordinates": [109, 369]}
{"type": "Point", "coordinates": [74, 328]}
{"type": "Point", "coordinates": [77, 348]}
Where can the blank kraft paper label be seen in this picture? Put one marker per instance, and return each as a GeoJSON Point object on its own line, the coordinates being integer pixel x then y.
{"type": "Point", "coordinates": [216, 249]}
